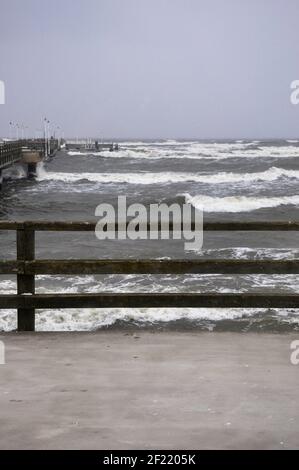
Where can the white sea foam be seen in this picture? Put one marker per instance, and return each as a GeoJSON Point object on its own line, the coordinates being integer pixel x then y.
{"type": "Point", "coordinates": [90, 319]}
{"type": "Point", "coordinates": [253, 253]}
{"type": "Point", "coordinates": [271, 174]}
{"type": "Point", "coordinates": [238, 203]}
{"type": "Point", "coordinates": [198, 150]}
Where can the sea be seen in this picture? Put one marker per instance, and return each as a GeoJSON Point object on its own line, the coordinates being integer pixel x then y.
{"type": "Point", "coordinates": [232, 180]}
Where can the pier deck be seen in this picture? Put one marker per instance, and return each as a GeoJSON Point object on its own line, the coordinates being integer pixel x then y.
{"type": "Point", "coordinates": [162, 390]}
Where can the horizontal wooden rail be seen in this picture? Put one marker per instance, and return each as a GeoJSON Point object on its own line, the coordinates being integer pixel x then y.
{"type": "Point", "coordinates": [26, 267]}
{"type": "Point", "coordinates": [150, 266]}
{"type": "Point", "coordinates": [80, 226]}
{"type": "Point", "coordinates": [10, 153]}
{"type": "Point", "coordinates": [11, 267]}
{"type": "Point", "coordinates": [144, 300]}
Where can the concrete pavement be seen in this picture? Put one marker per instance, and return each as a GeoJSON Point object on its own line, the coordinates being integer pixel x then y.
{"type": "Point", "coordinates": [142, 390]}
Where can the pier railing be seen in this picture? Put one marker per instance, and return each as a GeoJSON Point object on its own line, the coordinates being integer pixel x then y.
{"type": "Point", "coordinates": [26, 267]}
{"type": "Point", "coordinates": [11, 152]}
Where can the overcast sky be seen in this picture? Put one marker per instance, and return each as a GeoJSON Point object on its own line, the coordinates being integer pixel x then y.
{"type": "Point", "coordinates": [151, 68]}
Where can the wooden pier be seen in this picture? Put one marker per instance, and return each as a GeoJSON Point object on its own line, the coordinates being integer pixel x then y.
{"type": "Point", "coordinates": [28, 152]}
{"type": "Point", "coordinates": [26, 267]}
{"type": "Point", "coordinates": [91, 145]}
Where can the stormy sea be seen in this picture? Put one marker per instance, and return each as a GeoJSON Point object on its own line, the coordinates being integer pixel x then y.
{"type": "Point", "coordinates": [231, 180]}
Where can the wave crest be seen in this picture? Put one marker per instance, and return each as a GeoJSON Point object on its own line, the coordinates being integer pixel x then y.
{"type": "Point", "coordinates": [271, 174]}
{"type": "Point", "coordinates": [238, 203]}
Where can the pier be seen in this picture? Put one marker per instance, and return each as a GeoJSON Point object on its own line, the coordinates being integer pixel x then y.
{"type": "Point", "coordinates": [90, 144]}
{"type": "Point", "coordinates": [27, 152]}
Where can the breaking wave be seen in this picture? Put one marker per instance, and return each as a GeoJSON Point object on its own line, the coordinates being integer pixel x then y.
{"type": "Point", "coordinates": [238, 203]}
{"type": "Point", "coordinates": [271, 174]}
{"type": "Point", "coordinates": [207, 318]}
{"type": "Point", "coordinates": [198, 150]}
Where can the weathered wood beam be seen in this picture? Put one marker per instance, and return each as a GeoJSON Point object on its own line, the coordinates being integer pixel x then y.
{"type": "Point", "coordinates": [252, 226]}
{"type": "Point", "coordinates": [129, 266]}
{"type": "Point", "coordinates": [11, 267]}
{"type": "Point", "coordinates": [11, 225]}
{"type": "Point", "coordinates": [207, 226]}
{"type": "Point", "coordinates": [26, 282]}
{"type": "Point", "coordinates": [78, 226]}
{"type": "Point", "coordinates": [143, 300]}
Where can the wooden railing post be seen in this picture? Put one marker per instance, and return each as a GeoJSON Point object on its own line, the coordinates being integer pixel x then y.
{"type": "Point", "coordinates": [26, 282]}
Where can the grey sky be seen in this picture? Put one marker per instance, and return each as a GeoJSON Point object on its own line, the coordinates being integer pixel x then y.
{"type": "Point", "coordinates": [151, 68]}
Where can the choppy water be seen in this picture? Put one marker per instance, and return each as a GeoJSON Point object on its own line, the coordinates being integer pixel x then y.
{"type": "Point", "coordinates": [236, 180]}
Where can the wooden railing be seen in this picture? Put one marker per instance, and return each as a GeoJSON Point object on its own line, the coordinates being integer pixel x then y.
{"type": "Point", "coordinates": [11, 152]}
{"type": "Point", "coordinates": [26, 267]}
{"type": "Point", "coordinates": [39, 144]}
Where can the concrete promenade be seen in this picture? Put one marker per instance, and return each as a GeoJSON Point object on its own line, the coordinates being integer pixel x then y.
{"type": "Point", "coordinates": [142, 390]}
